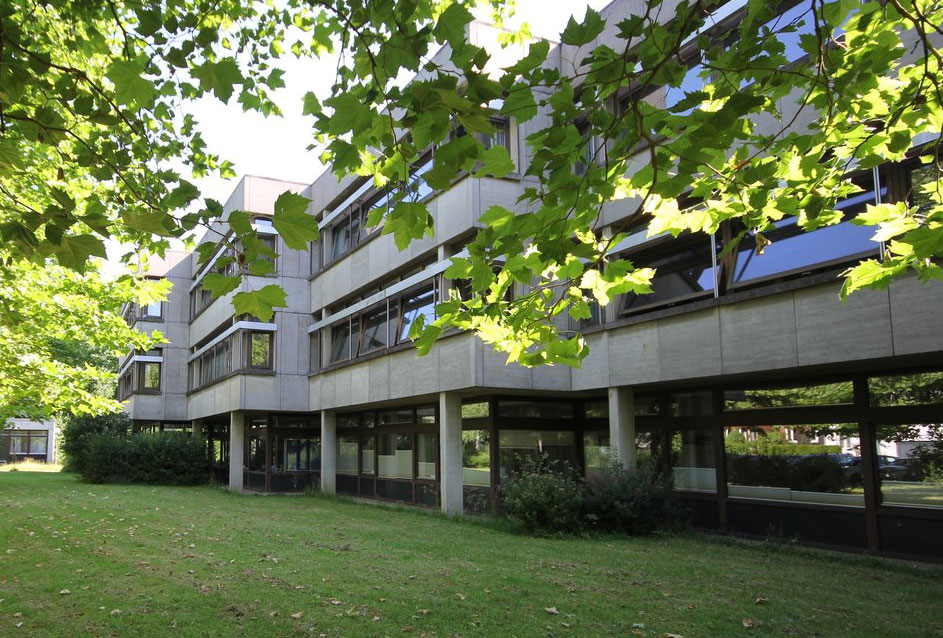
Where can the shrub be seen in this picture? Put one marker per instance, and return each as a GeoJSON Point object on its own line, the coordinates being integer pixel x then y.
{"type": "Point", "coordinates": [637, 502]}
{"type": "Point", "coordinates": [544, 496]}
{"type": "Point", "coordinates": [547, 497]}
{"type": "Point", "coordinates": [77, 431]}
{"type": "Point", "coordinates": [163, 458]}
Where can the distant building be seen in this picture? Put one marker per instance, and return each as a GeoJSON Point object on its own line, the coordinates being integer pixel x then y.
{"type": "Point", "coordinates": [23, 439]}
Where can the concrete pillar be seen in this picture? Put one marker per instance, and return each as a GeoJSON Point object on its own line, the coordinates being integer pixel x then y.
{"type": "Point", "coordinates": [328, 452]}
{"type": "Point", "coordinates": [237, 448]}
{"type": "Point", "coordinates": [196, 428]}
{"type": "Point", "coordinates": [450, 452]}
{"type": "Point", "coordinates": [622, 425]}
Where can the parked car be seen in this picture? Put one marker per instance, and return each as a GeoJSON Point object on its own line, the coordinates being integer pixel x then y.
{"type": "Point", "coordinates": [893, 468]}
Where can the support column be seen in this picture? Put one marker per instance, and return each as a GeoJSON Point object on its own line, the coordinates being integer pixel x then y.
{"type": "Point", "coordinates": [450, 453]}
{"type": "Point", "coordinates": [622, 425]}
{"type": "Point", "coordinates": [196, 428]}
{"type": "Point", "coordinates": [328, 452]}
{"type": "Point", "coordinates": [237, 448]}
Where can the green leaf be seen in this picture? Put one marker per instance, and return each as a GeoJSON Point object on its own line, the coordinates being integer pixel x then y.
{"type": "Point", "coordinates": [74, 250]}
{"type": "Point", "coordinates": [260, 303]}
{"type": "Point", "coordinates": [578, 34]}
{"type": "Point", "coordinates": [240, 222]}
{"type": "Point", "coordinates": [292, 221]}
{"type": "Point", "coordinates": [495, 162]}
{"type": "Point", "coordinates": [218, 77]}
{"type": "Point", "coordinates": [536, 55]}
{"type": "Point", "coordinates": [450, 27]}
{"type": "Point", "coordinates": [220, 284]}
{"type": "Point", "coordinates": [520, 103]}
{"type": "Point", "coordinates": [130, 88]}
{"type": "Point", "coordinates": [408, 221]}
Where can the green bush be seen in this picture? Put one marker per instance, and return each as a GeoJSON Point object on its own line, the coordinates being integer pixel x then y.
{"type": "Point", "coordinates": [162, 458]}
{"type": "Point", "coordinates": [77, 431]}
{"type": "Point", "coordinates": [548, 497]}
{"type": "Point", "coordinates": [544, 496]}
{"type": "Point", "coordinates": [623, 502]}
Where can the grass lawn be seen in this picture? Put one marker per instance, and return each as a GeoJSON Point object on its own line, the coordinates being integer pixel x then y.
{"type": "Point", "coordinates": [88, 560]}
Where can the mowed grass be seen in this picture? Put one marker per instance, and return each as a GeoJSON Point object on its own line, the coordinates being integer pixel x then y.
{"type": "Point", "coordinates": [148, 561]}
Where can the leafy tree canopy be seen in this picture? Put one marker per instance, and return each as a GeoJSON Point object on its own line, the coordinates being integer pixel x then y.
{"type": "Point", "coordinates": [92, 90]}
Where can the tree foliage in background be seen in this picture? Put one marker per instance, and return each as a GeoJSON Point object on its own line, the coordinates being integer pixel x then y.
{"type": "Point", "coordinates": [58, 328]}
{"type": "Point", "coordinates": [91, 129]}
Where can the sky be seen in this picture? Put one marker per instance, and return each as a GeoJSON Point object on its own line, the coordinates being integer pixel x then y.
{"type": "Point", "coordinates": [277, 147]}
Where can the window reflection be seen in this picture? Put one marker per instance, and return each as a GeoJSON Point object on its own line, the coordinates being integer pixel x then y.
{"type": "Point", "coordinates": [520, 446]}
{"type": "Point", "coordinates": [692, 460]}
{"type": "Point", "coordinates": [804, 463]}
{"type": "Point", "coordinates": [910, 464]}
{"type": "Point", "coordinates": [395, 456]}
{"type": "Point", "coordinates": [685, 273]}
{"type": "Point", "coordinates": [476, 458]}
{"type": "Point", "coordinates": [414, 305]}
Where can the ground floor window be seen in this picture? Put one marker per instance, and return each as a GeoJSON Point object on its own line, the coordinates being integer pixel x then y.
{"type": "Point", "coordinates": [518, 447]}
{"type": "Point", "coordinates": [302, 455]}
{"type": "Point", "coordinates": [910, 464]}
{"type": "Point", "coordinates": [797, 463]}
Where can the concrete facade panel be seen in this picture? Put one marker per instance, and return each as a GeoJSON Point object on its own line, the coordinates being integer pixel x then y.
{"type": "Point", "coordinates": [829, 330]}
{"type": "Point", "coordinates": [759, 334]}
{"type": "Point", "coordinates": [689, 345]}
{"type": "Point", "coordinates": [916, 316]}
{"type": "Point", "coordinates": [634, 355]}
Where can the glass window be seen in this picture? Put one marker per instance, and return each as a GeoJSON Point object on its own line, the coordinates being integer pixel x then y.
{"type": "Point", "coordinates": [395, 456]}
{"type": "Point", "coordinates": [477, 410]}
{"type": "Point", "coordinates": [499, 137]}
{"type": "Point", "coordinates": [819, 394]}
{"type": "Point", "coordinates": [262, 222]}
{"type": "Point", "coordinates": [519, 446]}
{"type": "Point", "coordinates": [793, 250]}
{"type": "Point", "coordinates": [921, 176]}
{"type": "Point", "coordinates": [368, 449]}
{"type": "Point", "coordinates": [258, 347]}
{"type": "Point", "coordinates": [19, 444]}
{"type": "Point", "coordinates": [302, 455]}
{"type": "Point", "coordinates": [346, 455]}
{"type": "Point", "coordinates": [476, 458]}
{"type": "Point", "coordinates": [697, 403]}
{"type": "Point", "coordinates": [426, 455]}
{"type": "Point", "coordinates": [373, 330]}
{"type": "Point", "coordinates": [392, 417]}
{"type": "Point", "coordinates": [800, 463]}
{"type": "Point", "coordinates": [425, 414]}
{"type": "Point", "coordinates": [647, 405]}
{"type": "Point", "coordinates": [535, 409]}
{"type": "Point", "coordinates": [692, 460]}
{"type": "Point", "coordinates": [314, 351]}
{"type": "Point", "coordinates": [271, 243]}
{"type": "Point", "coordinates": [340, 341]}
{"type": "Point", "coordinates": [906, 389]}
{"type": "Point", "coordinates": [596, 409]}
{"type": "Point", "coordinates": [348, 420]}
{"type": "Point", "coordinates": [315, 256]}
{"type": "Point", "coordinates": [910, 464]}
{"type": "Point", "coordinates": [340, 236]}
{"type": "Point", "coordinates": [596, 453]}
{"type": "Point", "coordinates": [153, 309]}
{"type": "Point", "coordinates": [150, 376]}
{"type": "Point", "coordinates": [413, 305]}
{"type": "Point", "coordinates": [684, 273]}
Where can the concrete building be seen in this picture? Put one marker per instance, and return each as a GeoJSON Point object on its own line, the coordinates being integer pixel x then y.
{"type": "Point", "coordinates": [24, 439]}
{"type": "Point", "coordinates": [713, 376]}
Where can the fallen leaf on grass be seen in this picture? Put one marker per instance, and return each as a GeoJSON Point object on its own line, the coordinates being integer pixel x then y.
{"type": "Point", "coordinates": [64, 592]}
{"type": "Point", "coordinates": [761, 600]}
{"type": "Point", "coordinates": [669, 635]}
{"type": "Point", "coordinates": [460, 596]}
{"type": "Point", "coordinates": [297, 615]}
{"type": "Point", "coordinates": [551, 610]}
{"type": "Point", "coordinates": [748, 623]}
